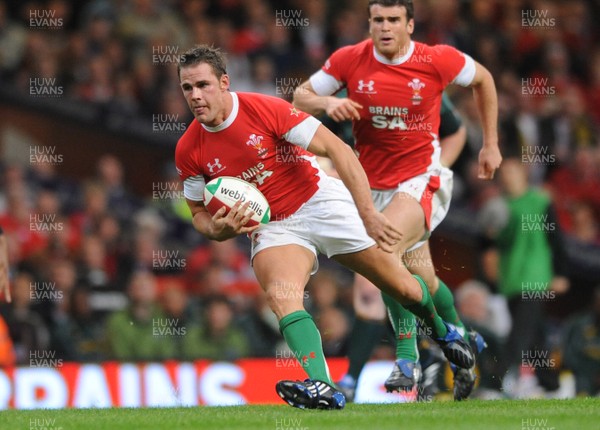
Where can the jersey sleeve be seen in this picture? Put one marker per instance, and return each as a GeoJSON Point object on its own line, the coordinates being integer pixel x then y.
{"type": "Point", "coordinates": [302, 134]}
{"type": "Point", "coordinates": [193, 188]}
{"type": "Point", "coordinates": [454, 66]}
{"type": "Point", "coordinates": [467, 73]}
{"type": "Point", "coordinates": [324, 84]}
{"type": "Point", "coordinates": [332, 77]}
{"type": "Point", "coordinates": [190, 175]}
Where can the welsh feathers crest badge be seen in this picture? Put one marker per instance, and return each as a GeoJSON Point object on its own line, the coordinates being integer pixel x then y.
{"type": "Point", "coordinates": [416, 86]}
{"type": "Point", "coordinates": [256, 142]}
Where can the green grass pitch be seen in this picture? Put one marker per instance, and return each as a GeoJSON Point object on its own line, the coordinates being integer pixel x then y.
{"type": "Point", "coordinates": [576, 414]}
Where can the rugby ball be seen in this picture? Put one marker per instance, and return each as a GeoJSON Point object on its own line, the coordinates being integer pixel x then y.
{"type": "Point", "coordinates": [227, 190]}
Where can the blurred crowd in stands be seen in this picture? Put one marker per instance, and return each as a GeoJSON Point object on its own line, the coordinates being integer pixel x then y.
{"type": "Point", "coordinates": [98, 272]}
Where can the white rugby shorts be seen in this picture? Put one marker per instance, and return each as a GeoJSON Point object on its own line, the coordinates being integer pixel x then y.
{"type": "Point", "coordinates": [433, 191]}
{"type": "Point", "coordinates": [328, 223]}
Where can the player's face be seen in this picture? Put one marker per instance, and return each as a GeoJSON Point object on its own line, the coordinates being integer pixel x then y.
{"type": "Point", "coordinates": [390, 30]}
{"type": "Point", "coordinates": [205, 93]}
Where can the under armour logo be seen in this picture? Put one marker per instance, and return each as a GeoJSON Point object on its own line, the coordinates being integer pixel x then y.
{"type": "Point", "coordinates": [370, 85]}
{"type": "Point", "coordinates": [211, 166]}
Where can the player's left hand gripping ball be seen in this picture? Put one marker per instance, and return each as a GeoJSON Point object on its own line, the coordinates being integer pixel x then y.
{"type": "Point", "coordinates": [227, 190]}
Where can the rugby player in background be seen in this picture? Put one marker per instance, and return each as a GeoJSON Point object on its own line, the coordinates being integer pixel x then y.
{"type": "Point", "coordinates": [395, 90]}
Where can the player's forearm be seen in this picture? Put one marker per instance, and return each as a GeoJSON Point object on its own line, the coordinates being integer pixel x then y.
{"type": "Point", "coordinates": [308, 101]}
{"type": "Point", "coordinates": [202, 223]}
{"type": "Point", "coordinates": [487, 106]}
{"type": "Point", "coordinates": [202, 220]}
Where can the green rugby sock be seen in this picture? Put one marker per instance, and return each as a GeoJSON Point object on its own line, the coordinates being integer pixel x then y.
{"type": "Point", "coordinates": [365, 335]}
{"type": "Point", "coordinates": [405, 328]}
{"type": "Point", "coordinates": [426, 311]}
{"type": "Point", "coordinates": [444, 303]}
{"type": "Point", "coordinates": [303, 338]}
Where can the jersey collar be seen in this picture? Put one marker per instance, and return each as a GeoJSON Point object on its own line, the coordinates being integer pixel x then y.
{"type": "Point", "coordinates": [232, 116]}
{"type": "Point", "coordinates": [398, 60]}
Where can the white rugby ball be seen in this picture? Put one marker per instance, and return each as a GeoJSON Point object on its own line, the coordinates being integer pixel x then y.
{"type": "Point", "coordinates": [227, 190]}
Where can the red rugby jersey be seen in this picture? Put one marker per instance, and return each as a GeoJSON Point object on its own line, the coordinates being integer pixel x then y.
{"type": "Point", "coordinates": [251, 145]}
{"type": "Point", "coordinates": [396, 136]}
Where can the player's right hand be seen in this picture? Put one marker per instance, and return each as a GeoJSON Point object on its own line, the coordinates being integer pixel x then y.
{"type": "Point", "coordinates": [225, 227]}
{"type": "Point", "coordinates": [489, 161]}
{"type": "Point", "coordinates": [342, 109]}
{"type": "Point", "coordinates": [382, 231]}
